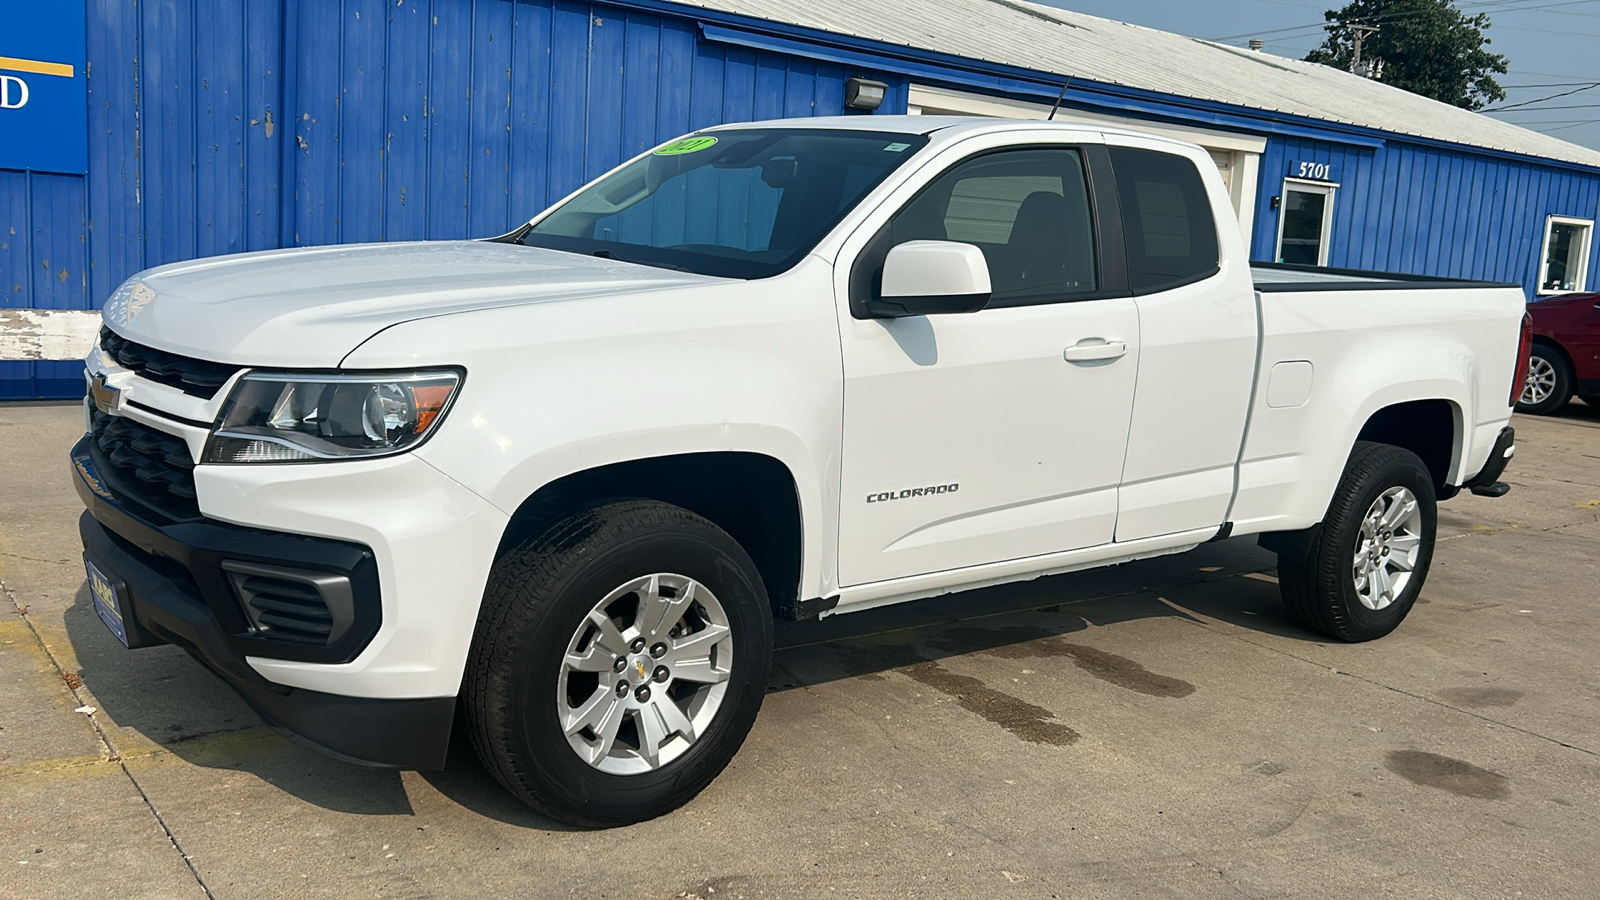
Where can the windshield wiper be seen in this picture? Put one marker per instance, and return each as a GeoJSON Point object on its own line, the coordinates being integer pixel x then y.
{"type": "Point", "coordinates": [607, 254]}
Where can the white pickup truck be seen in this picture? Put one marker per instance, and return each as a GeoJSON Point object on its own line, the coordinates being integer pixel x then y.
{"type": "Point", "coordinates": [565, 479]}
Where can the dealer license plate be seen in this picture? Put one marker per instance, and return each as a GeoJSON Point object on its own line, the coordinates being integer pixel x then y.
{"type": "Point", "coordinates": [106, 604]}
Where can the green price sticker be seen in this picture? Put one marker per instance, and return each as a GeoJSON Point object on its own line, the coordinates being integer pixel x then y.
{"type": "Point", "coordinates": [687, 145]}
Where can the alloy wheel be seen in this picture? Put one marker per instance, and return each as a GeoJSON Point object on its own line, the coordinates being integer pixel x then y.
{"type": "Point", "coordinates": [1541, 381]}
{"type": "Point", "coordinates": [1387, 548]}
{"type": "Point", "coordinates": [645, 674]}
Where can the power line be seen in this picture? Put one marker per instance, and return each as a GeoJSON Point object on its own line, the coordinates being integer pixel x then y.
{"type": "Point", "coordinates": [1399, 15]}
{"type": "Point", "coordinates": [1564, 127]}
{"type": "Point", "coordinates": [1588, 87]}
{"type": "Point", "coordinates": [1544, 108]}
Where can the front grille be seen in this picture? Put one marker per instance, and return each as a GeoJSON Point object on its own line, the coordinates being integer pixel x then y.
{"type": "Point", "coordinates": [192, 376]}
{"type": "Point", "coordinates": [151, 466]}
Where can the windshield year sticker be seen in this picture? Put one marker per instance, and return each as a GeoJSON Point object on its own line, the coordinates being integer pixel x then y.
{"type": "Point", "coordinates": [687, 145]}
{"type": "Point", "coordinates": [895, 148]}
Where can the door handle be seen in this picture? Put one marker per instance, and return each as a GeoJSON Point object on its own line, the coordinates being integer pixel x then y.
{"type": "Point", "coordinates": [1094, 349]}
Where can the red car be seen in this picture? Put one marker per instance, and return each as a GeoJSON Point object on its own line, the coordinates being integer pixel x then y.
{"type": "Point", "coordinates": [1566, 354]}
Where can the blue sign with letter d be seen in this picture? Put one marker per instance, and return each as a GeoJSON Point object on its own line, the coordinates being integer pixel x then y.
{"type": "Point", "coordinates": [44, 115]}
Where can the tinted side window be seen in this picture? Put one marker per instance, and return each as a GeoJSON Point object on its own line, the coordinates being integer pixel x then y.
{"type": "Point", "coordinates": [1167, 221]}
{"type": "Point", "coordinates": [1027, 210]}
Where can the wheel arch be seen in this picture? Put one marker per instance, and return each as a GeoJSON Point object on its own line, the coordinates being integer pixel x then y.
{"type": "Point", "coordinates": [1541, 340]}
{"type": "Point", "coordinates": [752, 496]}
{"type": "Point", "coordinates": [1432, 429]}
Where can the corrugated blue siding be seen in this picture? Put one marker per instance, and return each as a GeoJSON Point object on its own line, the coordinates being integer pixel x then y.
{"type": "Point", "coordinates": [1405, 208]}
{"type": "Point", "coordinates": [461, 119]}
{"type": "Point", "coordinates": [43, 244]}
{"type": "Point", "coordinates": [417, 119]}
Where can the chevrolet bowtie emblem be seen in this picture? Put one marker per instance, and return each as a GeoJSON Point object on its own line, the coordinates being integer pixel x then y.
{"type": "Point", "coordinates": [143, 295]}
{"type": "Point", "coordinates": [107, 399]}
{"type": "Point", "coordinates": [638, 665]}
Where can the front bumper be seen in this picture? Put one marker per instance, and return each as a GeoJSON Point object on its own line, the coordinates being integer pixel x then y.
{"type": "Point", "coordinates": [174, 589]}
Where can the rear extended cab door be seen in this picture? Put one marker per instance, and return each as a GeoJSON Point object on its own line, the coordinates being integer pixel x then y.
{"type": "Point", "coordinates": [1189, 274]}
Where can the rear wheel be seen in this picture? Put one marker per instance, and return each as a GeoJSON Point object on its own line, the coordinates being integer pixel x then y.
{"type": "Point", "coordinates": [1549, 384]}
{"type": "Point", "coordinates": [619, 662]}
{"type": "Point", "coordinates": [1356, 576]}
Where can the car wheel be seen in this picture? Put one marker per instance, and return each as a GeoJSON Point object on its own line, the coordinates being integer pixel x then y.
{"type": "Point", "coordinates": [1356, 576]}
{"type": "Point", "coordinates": [1549, 384]}
{"type": "Point", "coordinates": [619, 661]}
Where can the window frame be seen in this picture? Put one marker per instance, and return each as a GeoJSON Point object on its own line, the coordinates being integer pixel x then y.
{"type": "Point", "coordinates": [1104, 217]}
{"type": "Point", "coordinates": [1329, 189]}
{"type": "Point", "coordinates": [1582, 281]}
{"type": "Point", "coordinates": [1176, 282]}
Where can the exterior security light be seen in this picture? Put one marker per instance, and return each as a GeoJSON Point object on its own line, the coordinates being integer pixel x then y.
{"type": "Point", "coordinates": [863, 93]}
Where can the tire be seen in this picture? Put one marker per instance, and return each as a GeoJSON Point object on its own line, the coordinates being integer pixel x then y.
{"type": "Point", "coordinates": [1320, 570]}
{"type": "Point", "coordinates": [546, 606]}
{"type": "Point", "coordinates": [1549, 385]}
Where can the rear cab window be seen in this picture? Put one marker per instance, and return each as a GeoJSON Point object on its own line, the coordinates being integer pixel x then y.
{"type": "Point", "coordinates": [1168, 229]}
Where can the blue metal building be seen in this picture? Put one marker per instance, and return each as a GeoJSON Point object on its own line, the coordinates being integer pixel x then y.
{"type": "Point", "coordinates": [227, 126]}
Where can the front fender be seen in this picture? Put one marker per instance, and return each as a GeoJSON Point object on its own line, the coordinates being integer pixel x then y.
{"type": "Point", "coordinates": [554, 389]}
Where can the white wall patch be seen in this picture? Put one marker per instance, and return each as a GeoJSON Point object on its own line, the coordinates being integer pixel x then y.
{"type": "Point", "coordinates": [32, 334]}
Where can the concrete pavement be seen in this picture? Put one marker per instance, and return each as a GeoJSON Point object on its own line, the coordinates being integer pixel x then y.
{"type": "Point", "coordinates": [1155, 730]}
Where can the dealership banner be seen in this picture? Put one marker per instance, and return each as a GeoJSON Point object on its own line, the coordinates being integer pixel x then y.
{"type": "Point", "coordinates": [44, 123]}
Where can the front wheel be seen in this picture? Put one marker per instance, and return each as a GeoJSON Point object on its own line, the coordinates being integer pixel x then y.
{"type": "Point", "coordinates": [619, 662]}
{"type": "Point", "coordinates": [1356, 576]}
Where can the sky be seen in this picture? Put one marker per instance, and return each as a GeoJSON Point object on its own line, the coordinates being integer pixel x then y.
{"type": "Point", "coordinates": [1553, 46]}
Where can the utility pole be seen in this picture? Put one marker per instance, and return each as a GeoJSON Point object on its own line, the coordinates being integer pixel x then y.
{"type": "Point", "coordinates": [1361, 33]}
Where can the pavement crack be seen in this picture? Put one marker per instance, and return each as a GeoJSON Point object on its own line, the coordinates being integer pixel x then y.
{"type": "Point", "coordinates": [1388, 687]}
{"type": "Point", "coordinates": [113, 755]}
{"type": "Point", "coordinates": [38, 559]}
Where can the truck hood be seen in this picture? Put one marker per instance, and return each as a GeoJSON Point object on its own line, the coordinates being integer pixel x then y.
{"type": "Point", "coordinates": [310, 307]}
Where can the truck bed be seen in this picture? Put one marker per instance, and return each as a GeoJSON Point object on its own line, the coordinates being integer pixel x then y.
{"type": "Point", "coordinates": [1277, 277]}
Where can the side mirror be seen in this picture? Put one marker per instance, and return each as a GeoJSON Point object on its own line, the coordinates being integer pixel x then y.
{"type": "Point", "coordinates": [925, 278]}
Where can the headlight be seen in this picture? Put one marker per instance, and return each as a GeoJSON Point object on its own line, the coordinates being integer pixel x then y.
{"type": "Point", "coordinates": [296, 418]}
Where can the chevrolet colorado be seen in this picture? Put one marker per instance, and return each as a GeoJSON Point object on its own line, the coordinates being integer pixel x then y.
{"type": "Point", "coordinates": [564, 480]}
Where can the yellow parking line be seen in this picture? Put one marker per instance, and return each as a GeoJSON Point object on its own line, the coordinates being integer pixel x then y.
{"type": "Point", "coordinates": [36, 66]}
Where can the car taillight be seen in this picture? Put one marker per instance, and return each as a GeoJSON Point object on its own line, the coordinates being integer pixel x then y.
{"type": "Point", "coordinates": [1519, 378]}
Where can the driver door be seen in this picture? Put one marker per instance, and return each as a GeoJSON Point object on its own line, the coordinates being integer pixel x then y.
{"type": "Point", "coordinates": [996, 435]}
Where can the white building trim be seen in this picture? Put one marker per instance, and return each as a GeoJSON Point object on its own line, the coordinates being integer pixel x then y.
{"type": "Point", "coordinates": [47, 334]}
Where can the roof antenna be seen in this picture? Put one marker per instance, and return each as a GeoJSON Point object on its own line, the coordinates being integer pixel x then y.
{"type": "Point", "coordinates": [1052, 116]}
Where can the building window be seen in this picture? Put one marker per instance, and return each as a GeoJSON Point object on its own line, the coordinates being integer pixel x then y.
{"type": "Point", "coordinates": [1304, 221]}
{"type": "Point", "coordinates": [1564, 264]}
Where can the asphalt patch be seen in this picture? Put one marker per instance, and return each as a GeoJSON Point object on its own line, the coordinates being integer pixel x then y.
{"type": "Point", "coordinates": [1481, 696]}
{"type": "Point", "coordinates": [1457, 776]}
{"type": "Point", "coordinates": [1030, 722]}
{"type": "Point", "coordinates": [1023, 719]}
{"type": "Point", "coordinates": [1028, 643]}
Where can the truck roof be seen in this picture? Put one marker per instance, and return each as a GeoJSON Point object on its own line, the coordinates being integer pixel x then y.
{"type": "Point", "coordinates": [931, 124]}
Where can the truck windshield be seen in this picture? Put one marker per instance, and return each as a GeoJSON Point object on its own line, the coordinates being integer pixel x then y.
{"type": "Point", "coordinates": [748, 203]}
